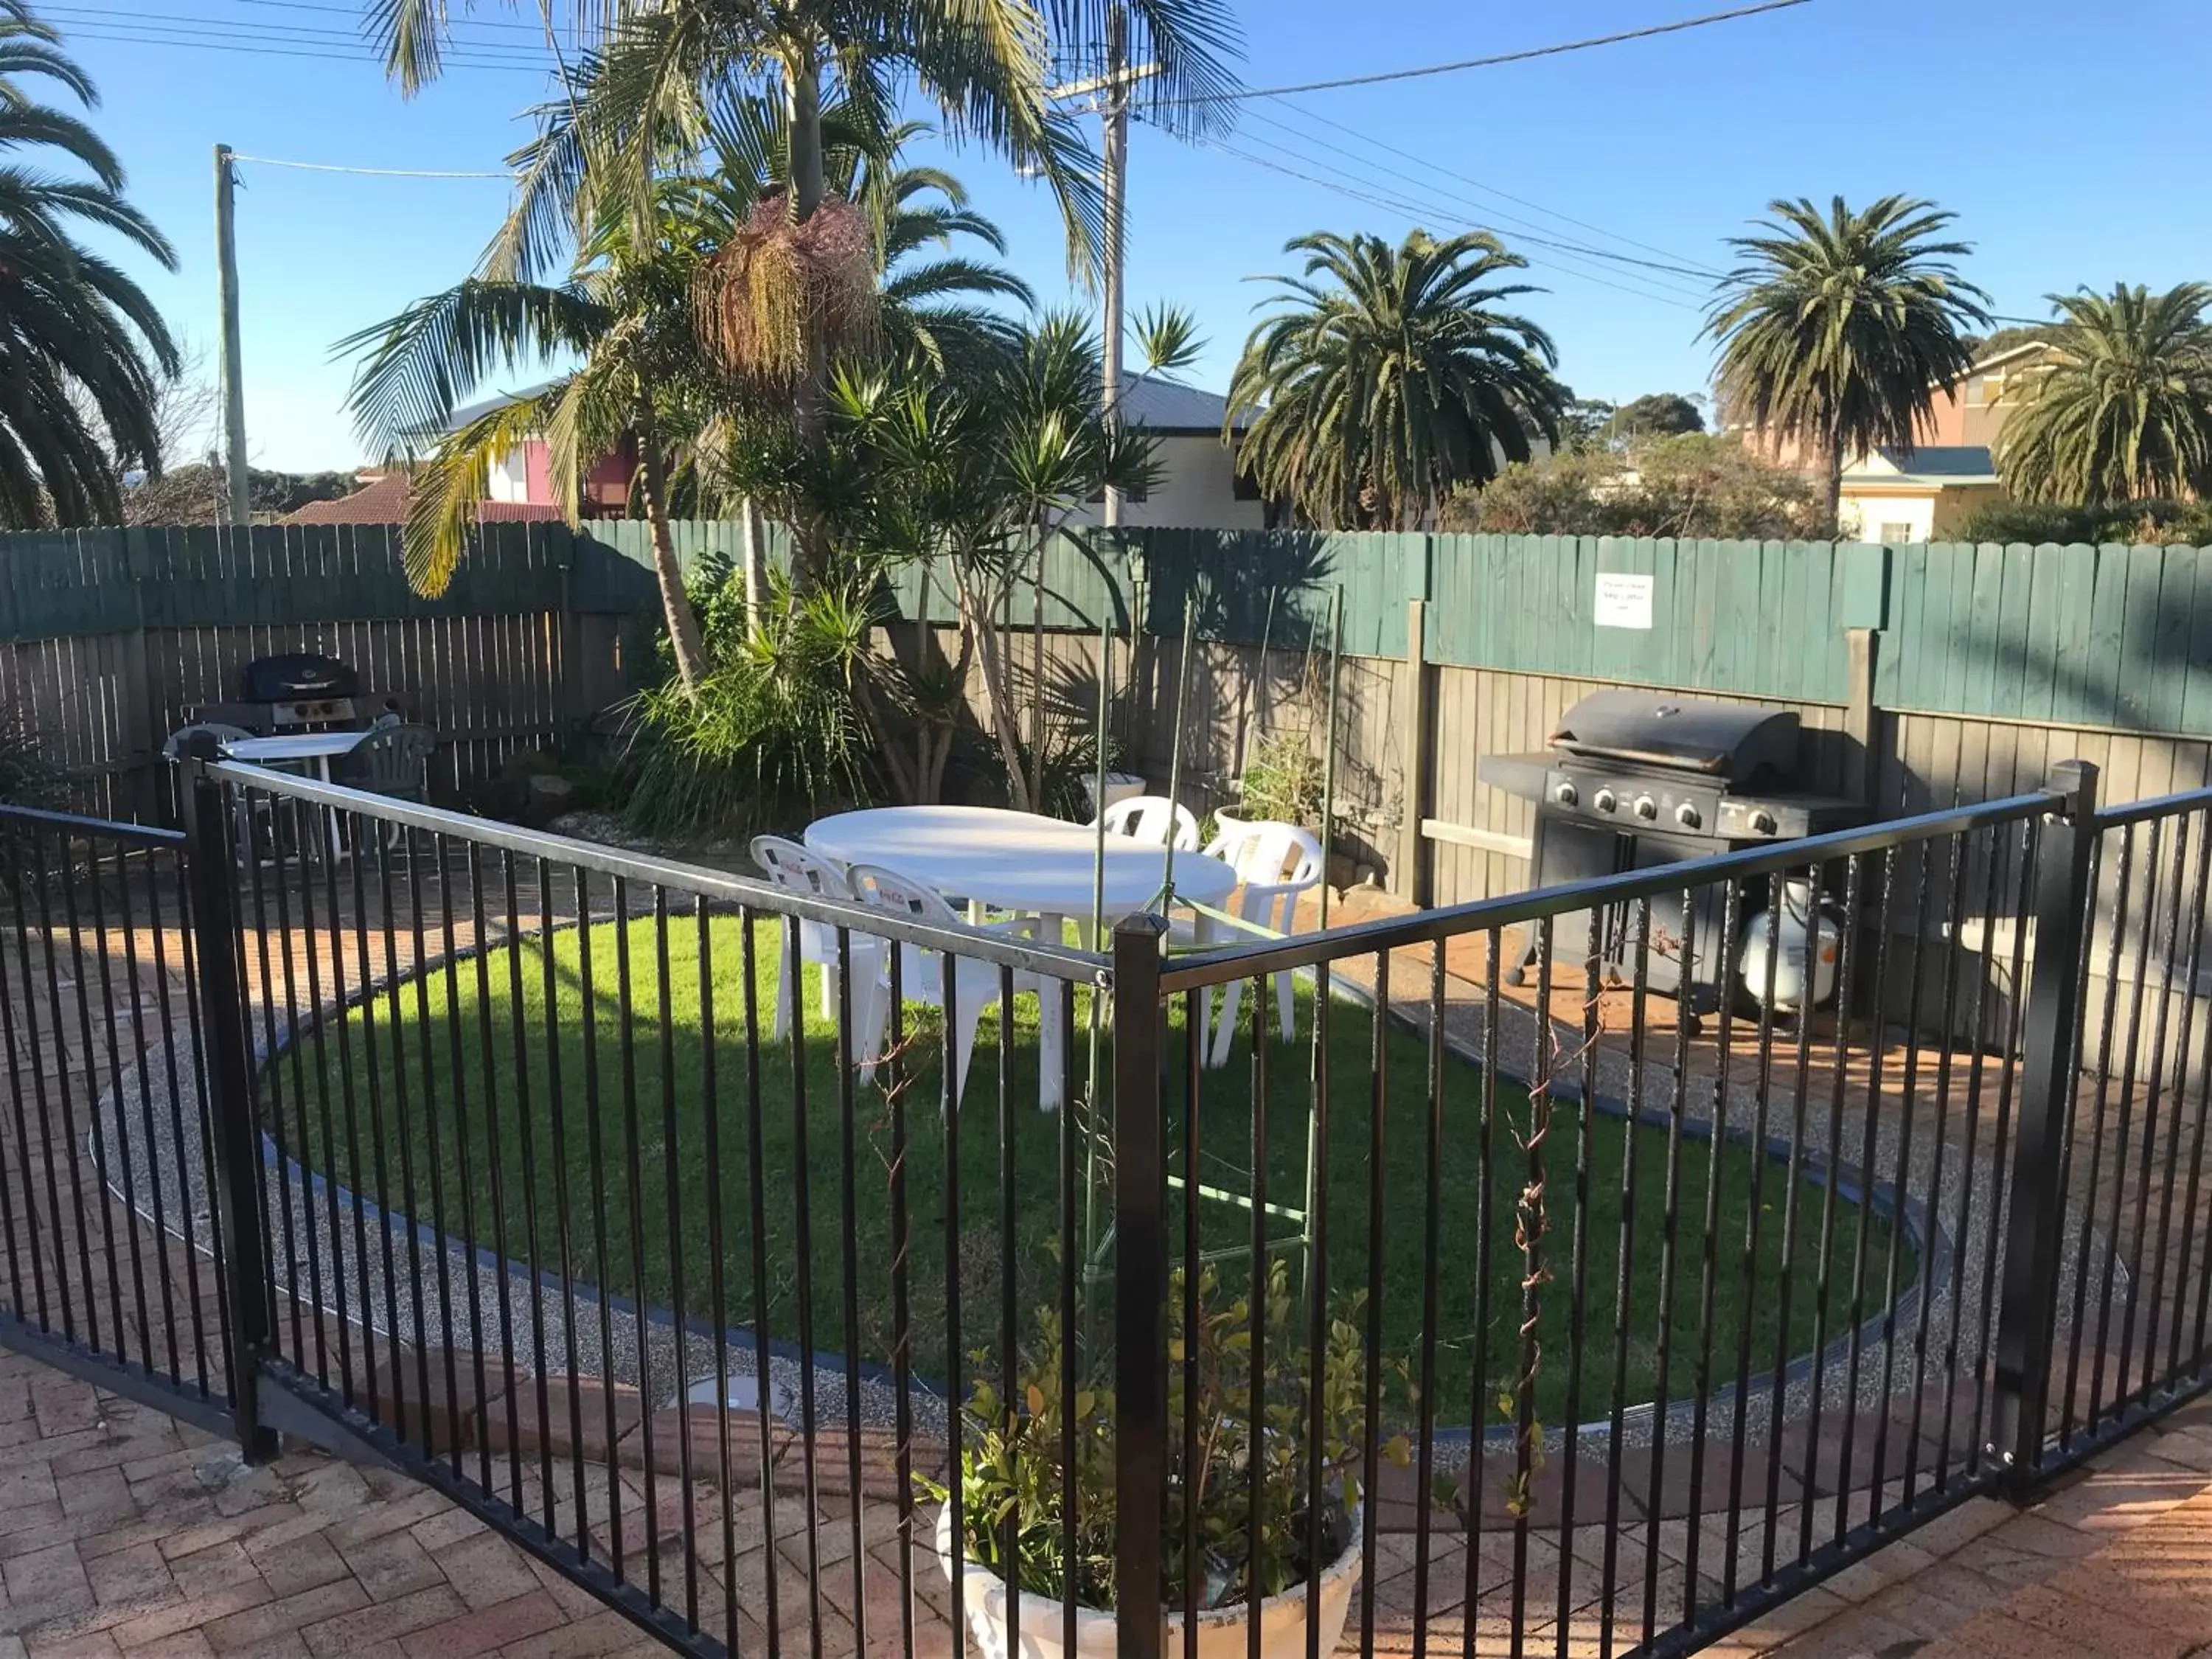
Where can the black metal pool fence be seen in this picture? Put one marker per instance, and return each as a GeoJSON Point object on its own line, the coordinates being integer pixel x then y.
{"type": "Point", "coordinates": [1544, 1316]}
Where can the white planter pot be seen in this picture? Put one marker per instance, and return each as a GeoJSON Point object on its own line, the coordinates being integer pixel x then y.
{"type": "Point", "coordinates": [1221, 1632]}
{"type": "Point", "coordinates": [1120, 785]}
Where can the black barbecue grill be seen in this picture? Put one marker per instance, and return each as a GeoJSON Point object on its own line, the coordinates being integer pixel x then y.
{"type": "Point", "coordinates": [297, 691]}
{"type": "Point", "coordinates": [1635, 779]}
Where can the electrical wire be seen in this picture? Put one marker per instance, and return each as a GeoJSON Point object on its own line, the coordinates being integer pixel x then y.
{"type": "Point", "coordinates": [1525, 55]}
{"type": "Point", "coordinates": [124, 35]}
{"type": "Point", "coordinates": [254, 37]}
{"type": "Point", "coordinates": [352, 36]}
{"type": "Point", "coordinates": [375, 173]}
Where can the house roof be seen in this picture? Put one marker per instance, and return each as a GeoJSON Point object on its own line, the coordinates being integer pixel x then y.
{"type": "Point", "coordinates": [1996, 359]}
{"type": "Point", "coordinates": [382, 500]}
{"type": "Point", "coordinates": [1936, 466]}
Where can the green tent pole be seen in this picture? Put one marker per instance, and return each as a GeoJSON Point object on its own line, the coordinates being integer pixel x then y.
{"type": "Point", "coordinates": [1175, 749]}
{"type": "Point", "coordinates": [1318, 1076]}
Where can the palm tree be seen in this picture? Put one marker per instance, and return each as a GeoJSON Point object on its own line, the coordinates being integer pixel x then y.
{"type": "Point", "coordinates": [1393, 376]}
{"type": "Point", "coordinates": [2119, 408]}
{"type": "Point", "coordinates": [83, 354]}
{"type": "Point", "coordinates": [1837, 330]}
{"type": "Point", "coordinates": [663, 70]}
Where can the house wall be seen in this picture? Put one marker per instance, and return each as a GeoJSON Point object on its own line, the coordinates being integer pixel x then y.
{"type": "Point", "coordinates": [1198, 490]}
{"type": "Point", "coordinates": [1877, 517]}
{"type": "Point", "coordinates": [510, 477]}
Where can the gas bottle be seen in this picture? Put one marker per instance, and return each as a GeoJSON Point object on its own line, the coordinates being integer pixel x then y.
{"type": "Point", "coordinates": [1761, 935]}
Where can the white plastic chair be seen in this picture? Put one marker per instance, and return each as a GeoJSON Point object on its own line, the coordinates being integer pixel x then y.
{"type": "Point", "coordinates": [1147, 818]}
{"type": "Point", "coordinates": [1274, 863]}
{"type": "Point", "coordinates": [976, 984]}
{"type": "Point", "coordinates": [791, 867]}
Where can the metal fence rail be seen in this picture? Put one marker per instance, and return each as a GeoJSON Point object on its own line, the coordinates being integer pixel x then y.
{"type": "Point", "coordinates": [643, 1209]}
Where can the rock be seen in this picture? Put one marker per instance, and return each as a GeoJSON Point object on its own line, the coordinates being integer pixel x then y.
{"type": "Point", "coordinates": [551, 791]}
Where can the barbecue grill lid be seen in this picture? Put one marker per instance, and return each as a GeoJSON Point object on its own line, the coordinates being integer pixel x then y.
{"type": "Point", "coordinates": [297, 674]}
{"type": "Point", "coordinates": [1732, 741]}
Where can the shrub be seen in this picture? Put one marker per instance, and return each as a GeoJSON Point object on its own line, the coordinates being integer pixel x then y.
{"type": "Point", "coordinates": [1011, 1464]}
{"type": "Point", "coordinates": [777, 730]}
{"type": "Point", "coordinates": [29, 775]}
{"type": "Point", "coordinates": [2168, 522]}
{"type": "Point", "coordinates": [1282, 782]}
{"type": "Point", "coordinates": [1690, 485]}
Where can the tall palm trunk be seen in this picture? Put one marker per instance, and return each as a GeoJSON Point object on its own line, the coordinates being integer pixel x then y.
{"type": "Point", "coordinates": [1835, 478]}
{"type": "Point", "coordinates": [684, 635]}
{"type": "Point", "coordinates": [803, 80]}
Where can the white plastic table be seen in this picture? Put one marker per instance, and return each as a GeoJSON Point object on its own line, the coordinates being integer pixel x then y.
{"type": "Point", "coordinates": [320, 748]}
{"type": "Point", "coordinates": [1020, 862]}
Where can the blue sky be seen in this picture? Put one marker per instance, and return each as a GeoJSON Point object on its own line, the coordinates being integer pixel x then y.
{"type": "Point", "coordinates": [2063, 136]}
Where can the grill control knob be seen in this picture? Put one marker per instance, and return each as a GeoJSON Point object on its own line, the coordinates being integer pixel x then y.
{"type": "Point", "coordinates": [1763, 823]}
{"type": "Point", "coordinates": [1687, 815]}
{"type": "Point", "coordinates": [1604, 801]}
{"type": "Point", "coordinates": [1566, 795]}
{"type": "Point", "coordinates": [1646, 807]}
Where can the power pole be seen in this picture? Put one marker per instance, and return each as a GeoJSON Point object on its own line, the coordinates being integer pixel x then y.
{"type": "Point", "coordinates": [1109, 94]}
{"type": "Point", "coordinates": [234, 387]}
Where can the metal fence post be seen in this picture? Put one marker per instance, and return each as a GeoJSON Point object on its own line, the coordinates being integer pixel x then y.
{"type": "Point", "coordinates": [230, 1116]}
{"type": "Point", "coordinates": [1141, 1287]}
{"type": "Point", "coordinates": [2028, 1315]}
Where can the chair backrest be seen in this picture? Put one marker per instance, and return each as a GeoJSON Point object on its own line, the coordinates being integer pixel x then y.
{"type": "Point", "coordinates": [790, 866]}
{"type": "Point", "coordinates": [1148, 818]}
{"type": "Point", "coordinates": [879, 889]}
{"type": "Point", "coordinates": [394, 760]}
{"type": "Point", "coordinates": [1267, 855]}
{"type": "Point", "coordinates": [221, 733]}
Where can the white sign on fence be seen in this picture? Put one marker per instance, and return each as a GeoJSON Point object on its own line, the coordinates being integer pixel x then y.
{"type": "Point", "coordinates": [1623, 601]}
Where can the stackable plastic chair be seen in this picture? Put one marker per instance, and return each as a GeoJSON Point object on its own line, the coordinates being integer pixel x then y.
{"type": "Point", "coordinates": [1150, 818]}
{"type": "Point", "coordinates": [796, 870]}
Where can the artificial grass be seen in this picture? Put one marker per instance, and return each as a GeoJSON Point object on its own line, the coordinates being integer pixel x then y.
{"type": "Point", "coordinates": [602, 1107]}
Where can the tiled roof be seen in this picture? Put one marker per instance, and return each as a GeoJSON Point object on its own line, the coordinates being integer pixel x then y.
{"type": "Point", "coordinates": [381, 500]}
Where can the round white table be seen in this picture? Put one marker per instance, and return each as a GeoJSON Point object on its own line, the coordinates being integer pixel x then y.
{"type": "Point", "coordinates": [1020, 862]}
{"type": "Point", "coordinates": [1016, 860]}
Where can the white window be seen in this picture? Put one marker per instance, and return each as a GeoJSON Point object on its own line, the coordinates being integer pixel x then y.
{"type": "Point", "coordinates": [1977, 392]}
{"type": "Point", "coordinates": [1895, 532]}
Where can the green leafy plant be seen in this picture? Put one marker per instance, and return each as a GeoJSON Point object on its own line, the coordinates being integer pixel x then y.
{"type": "Point", "coordinates": [1013, 1459]}
{"type": "Point", "coordinates": [779, 727]}
{"type": "Point", "coordinates": [29, 775]}
{"type": "Point", "coordinates": [1282, 782]}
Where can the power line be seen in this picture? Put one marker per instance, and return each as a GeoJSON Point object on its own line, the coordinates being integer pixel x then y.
{"type": "Point", "coordinates": [351, 36]}
{"type": "Point", "coordinates": [1399, 204]}
{"type": "Point", "coordinates": [1492, 62]}
{"type": "Point", "coordinates": [122, 34]}
{"type": "Point", "coordinates": [376, 173]}
{"type": "Point", "coordinates": [1527, 231]}
{"type": "Point", "coordinates": [1369, 139]}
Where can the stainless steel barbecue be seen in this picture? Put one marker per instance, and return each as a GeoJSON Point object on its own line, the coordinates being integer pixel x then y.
{"type": "Point", "coordinates": [298, 691]}
{"type": "Point", "coordinates": [1634, 779]}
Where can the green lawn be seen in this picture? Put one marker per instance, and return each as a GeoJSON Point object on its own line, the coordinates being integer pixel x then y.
{"type": "Point", "coordinates": [803, 1156]}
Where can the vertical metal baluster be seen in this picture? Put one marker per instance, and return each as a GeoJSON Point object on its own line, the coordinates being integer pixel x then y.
{"type": "Point", "coordinates": [433, 1155]}
{"type": "Point", "coordinates": [1869, 1147]}
{"type": "Point", "coordinates": [756, 1205]}
{"type": "Point", "coordinates": [2123, 905]}
{"type": "Point", "coordinates": [341, 1005]}
{"type": "Point", "coordinates": [1255, 1427]}
{"type": "Point", "coordinates": [717, 1284]}
{"type": "Point", "coordinates": [1370, 1358]}
{"type": "Point", "coordinates": [366, 978]}
{"type": "Point", "coordinates": [464, 1162]}
{"type": "Point", "coordinates": [1985, 1337]}
{"type": "Point", "coordinates": [157, 1207]}
{"type": "Point", "coordinates": [1940, 1142]}
{"type": "Point", "coordinates": [1524, 1387]}
{"type": "Point", "coordinates": [1909, 1104]}
{"type": "Point", "coordinates": [1472, 1493]}
{"type": "Point", "coordinates": [394, 974]}
{"type": "Point", "coordinates": [526, 1116]}
{"type": "Point", "coordinates": [678, 1304]}
{"type": "Point", "coordinates": [24, 1159]}
{"type": "Point", "coordinates": [1432, 1203]}
{"type": "Point", "coordinates": [1952, 968]}
{"type": "Point", "coordinates": [273, 1073]}
{"type": "Point", "coordinates": [1009, 1363]}
{"type": "Point", "coordinates": [1749, 1279]}
{"type": "Point", "coordinates": [2131, 1110]}
{"type": "Point", "coordinates": [1662, 1392]}
{"type": "Point", "coordinates": [1194, 1043]}
{"type": "Point", "coordinates": [1625, 1286]}
{"type": "Point", "coordinates": [1578, 1286]}
{"type": "Point", "coordinates": [202, 1072]}
{"type": "Point", "coordinates": [94, 1134]}
{"type": "Point", "coordinates": [1709, 1248]}
{"type": "Point", "coordinates": [1794, 1184]}
{"type": "Point", "coordinates": [1971, 1457]}
{"type": "Point", "coordinates": [301, 1034]}
{"type": "Point", "coordinates": [129, 1202]}
{"type": "Point", "coordinates": [896, 1082]}
{"type": "Point", "coordinates": [2097, 1127]}
{"type": "Point", "coordinates": [495, 1190]}
{"type": "Point", "coordinates": [948, 986]}
{"type": "Point", "coordinates": [557, 1119]}
{"type": "Point", "coordinates": [802, 1160]}
{"type": "Point", "coordinates": [634, 1162]}
{"type": "Point", "coordinates": [1823, 1280]}
{"type": "Point", "coordinates": [2152, 1150]}
{"type": "Point", "coordinates": [1071, 1248]}
{"type": "Point", "coordinates": [2182, 1068]}
{"type": "Point", "coordinates": [848, 1202]}
{"type": "Point", "coordinates": [602, 1253]}
{"type": "Point", "coordinates": [88, 1284]}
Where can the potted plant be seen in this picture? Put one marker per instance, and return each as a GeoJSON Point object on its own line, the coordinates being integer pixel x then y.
{"type": "Point", "coordinates": [1281, 784]}
{"type": "Point", "coordinates": [1011, 1482]}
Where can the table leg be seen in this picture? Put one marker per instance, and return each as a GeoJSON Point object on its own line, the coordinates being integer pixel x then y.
{"type": "Point", "coordinates": [337, 840]}
{"type": "Point", "coordinates": [1052, 1036]}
